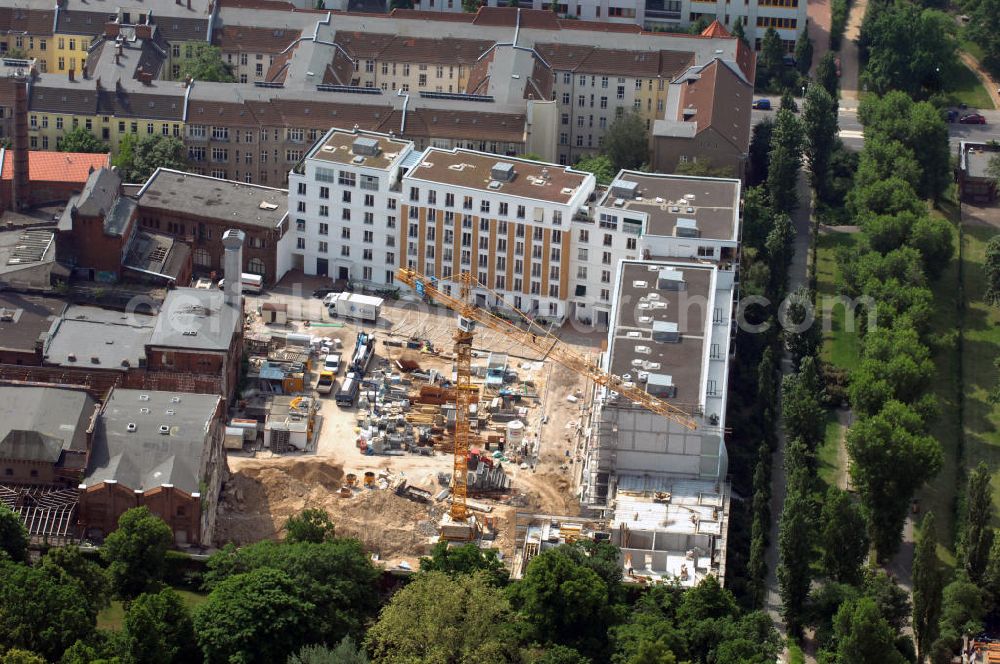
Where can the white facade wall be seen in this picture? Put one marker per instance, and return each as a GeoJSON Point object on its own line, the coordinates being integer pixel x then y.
{"type": "Point", "coordinates": [344, 230]}
{"type": "Point", "coordinates": [672, 14]}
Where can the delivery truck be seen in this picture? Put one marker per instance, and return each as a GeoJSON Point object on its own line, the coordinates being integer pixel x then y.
{"type": "Point", "coordinates": [351, 305]}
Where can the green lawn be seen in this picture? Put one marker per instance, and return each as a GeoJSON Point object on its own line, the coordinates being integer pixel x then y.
{"type": "Point", "coordinates": [982, 346]}
{"type": "Point", "coordinates": [114, 616]}
{"type": "Point", "coordinates": [971, 47]}
{"type": "Point", "coordinates": [964, 86]}
{"type": "Point", "coordinates": [840, 347]}
{"type": "Point", "coordinates": [939, 495]}
{"type": "Point", "coordinates": [830, 472]}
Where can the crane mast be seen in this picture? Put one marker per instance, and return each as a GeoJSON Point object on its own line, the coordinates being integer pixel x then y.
{"type": "Point", "coordinates": [540, 341]}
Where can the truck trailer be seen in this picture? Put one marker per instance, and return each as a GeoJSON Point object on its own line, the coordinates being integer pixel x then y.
{"type": "Point", "coordinates": [352, 305]}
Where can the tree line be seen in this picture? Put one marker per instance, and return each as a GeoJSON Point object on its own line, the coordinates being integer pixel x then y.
{"type": "Point", "coordinates": [316, 598]}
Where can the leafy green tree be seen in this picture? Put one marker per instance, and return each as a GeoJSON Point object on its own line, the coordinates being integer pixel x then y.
{"type": "Point", "coordinates": [991, 578]}
{"type": "Point", "coordinates": [564, 600]}
{"type": "Point", "coordinates": [802, 331]}
{"type": "Point", "coordinates": [68, 563]}
{"type": "Point", "coordinates": [819, 118]}
{"type": "Point", "coordinates": [18, 656]}
{"type": "Point", "coordinates": [13, 536]}
{"type": "Point", "coordinates": [892, 456]}
{"type": "Point", "coordinates": [159, 630]}
{"type": "Point", "coordinates": [253, 617]}
{"type": "Point", "coordinates": [208, 65]}
{"type": "Point", "coordinates": [335, 576]}
{"type": "Point", "coordinates": [795, 552]}
{"type": "Point", "coordinates": [863, 636]}
{"type": "Point", "coordinates": [933, 238]}
{"type": "Point", "coordinates": [894, 365]}
{"type": "Point", "coordinates": [758, 218]}
{"type": "Point", "coordinates": [770, 61]}
{"type": "Point", "coordinates": [826, 73]}
{"type": "Point", "coordinates": [471, 6]}
{"type": "Point", "coordinates": [81, 140]}
{"type": "Point", "coordinates": [40, 613]}
{"type": "Point", "coordinates": [312, 525]}
{"type": "Point", "coordinates": [991, 267]}
{"type": "Point", "coordinates": [927, 136]}
{"type": "Point", "coordinates": [842, 537]}
{"type": "Point", "coordinates": [704, 168]}
{"type": "Point", "coordinates": [466, 559]}
{"type": "Point", "coordinates": [779, 248]}
{"type": "Point", "coordinates": [600, 165]}
{"type": "Point", "coordinates": [137, 159]}
{"type": "Point", "coordinates": [909, 48]}
{"type": "Point", "coordinates": [760, 151]}
{"type": "Point", "coordinates": [801, 404]}
{"type": "Point", "coordinates": [739, 32]}
{"type": "Point", "coordinates": [438, 618]}
{"type": "Point", "coordinates": [928, 583]}
{"type": "Point", "coordinates": [890, 195]}
{"type": "Point", "coordinates": [626, 143]}
{"type": "Point", "coordinates": [136, 552]}
{"type": "Point", "coordinates": [803, 53]}
{"type": "Point", "coordinates": [400, 4]}
{"type": "Point", "coordinates": [963, 610]}
{"type": "Point", "coordinates": [977, 533]}
{"type": "Point", "coordinates": [557, 654]}
{"type": "Point", "coordinates": [785, 159]}
{"type": "Point", "coordinates": [346, 652]}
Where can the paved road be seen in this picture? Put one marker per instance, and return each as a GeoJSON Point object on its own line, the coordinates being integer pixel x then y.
{"type": "Point", "coordinates": [798, 275]}
{"type": "Point", "coordinates": [851, 129]}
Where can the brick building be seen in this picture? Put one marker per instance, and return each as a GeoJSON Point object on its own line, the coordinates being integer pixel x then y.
{"type": "Point", "coordinates": [45, 434]}
{"type": "Point", "coordinates": [199, 209]}
{"type": "Point", "coordinates": [99, 236]}
{"type": "Point", "coordinates": [161, 450]}
{"type": "Point", "coordinates": [53, 177]}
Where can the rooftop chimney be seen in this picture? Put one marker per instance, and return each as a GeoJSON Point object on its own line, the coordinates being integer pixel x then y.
{"type": "Point", "coordinates": [232, 265]}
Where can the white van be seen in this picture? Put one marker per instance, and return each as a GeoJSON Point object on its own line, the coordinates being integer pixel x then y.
{"type": "Point", "coordinates": [252, 283]}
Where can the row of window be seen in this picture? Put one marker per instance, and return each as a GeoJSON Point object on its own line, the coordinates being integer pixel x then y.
{"type": "Point", "coordinates": [776, 22]}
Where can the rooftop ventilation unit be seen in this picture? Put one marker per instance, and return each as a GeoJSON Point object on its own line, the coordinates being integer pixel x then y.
{"type": "Point", "coordinates": [619, 202]}
{"type": "Point", "coordinates": [661, 385]}
{"type": "Point", "coordinates": [502, 171]}
{"type": "Point", "coordinates": [645, 350]}
{"type": "Point", "coordinates": [365, 146]}
{"type": "Point", "coordinates": [143, 397]}
{"type": "Point", "coordinates": [131, 426]}
{"type": "Point", "coordinates": [495, 184]}
{"type": "Point", "coordinates": [687, 228]}
{"type": "Point", "coordinates": [566, 191]}
{"type": "Point", "coordinates": [666, 332]}
{"type": "Point", "coordinates": [638, 283]}
{"type": "Point", "coordinates": [670, 279]}
{"type": "Point", "coordinates": [144, 411]}
{"type": "Point", "coordinates": [164, 430]}
{"type": "Point", "coordinates": [358, 160]}
{"type": "Point", "coordinates": [624, 189]}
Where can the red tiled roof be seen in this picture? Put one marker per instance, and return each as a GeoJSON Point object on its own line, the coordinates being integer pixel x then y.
{"type": "Point", "coordinates": [255, 40]}
{"type": "Point", "coordinates": [715, 29]}
{"type": "Point", "coordinates": [57, 166]}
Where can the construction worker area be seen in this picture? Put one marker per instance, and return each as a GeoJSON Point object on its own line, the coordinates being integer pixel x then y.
{"type": "Point", "coordinates": [429, 417]}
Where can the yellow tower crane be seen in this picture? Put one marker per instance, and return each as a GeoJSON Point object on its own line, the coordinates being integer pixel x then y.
{"type": "Point", "coordinates": [536, 338]}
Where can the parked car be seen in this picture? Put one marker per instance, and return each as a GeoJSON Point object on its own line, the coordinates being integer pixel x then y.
{"type": "Point", "coordinates": [332, 363]}
{"type": "Point", "coordinates": [762, 104]}
{"type": "Point", "coordinates": [951, 115]}
{"type": "Point", "coordinates": [322, 292]}
{"type": "Point", "coordinates": [972, 118]}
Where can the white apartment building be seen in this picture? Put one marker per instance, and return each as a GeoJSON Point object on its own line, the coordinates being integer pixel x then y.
{"type": "Point", "coordinates": [787, 16]}
{"type": "Point", "coordinates": [544, 237]}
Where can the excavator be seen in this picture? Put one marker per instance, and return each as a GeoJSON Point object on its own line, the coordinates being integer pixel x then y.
{"type": "Point", "coordinates": [533, 336]}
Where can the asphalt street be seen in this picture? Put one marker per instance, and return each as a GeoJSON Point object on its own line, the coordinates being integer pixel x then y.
{"type": "Point", "coordinates": [851, 131]}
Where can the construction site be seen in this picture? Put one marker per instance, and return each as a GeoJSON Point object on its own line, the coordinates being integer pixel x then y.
{"type": "Point", "coordinates": [377, 449]}
{"type": "Point", "coordinates": [435, 419]}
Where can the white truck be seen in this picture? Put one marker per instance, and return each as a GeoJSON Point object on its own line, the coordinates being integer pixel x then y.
{"type": "Point", "coordinates": [351, 305]}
